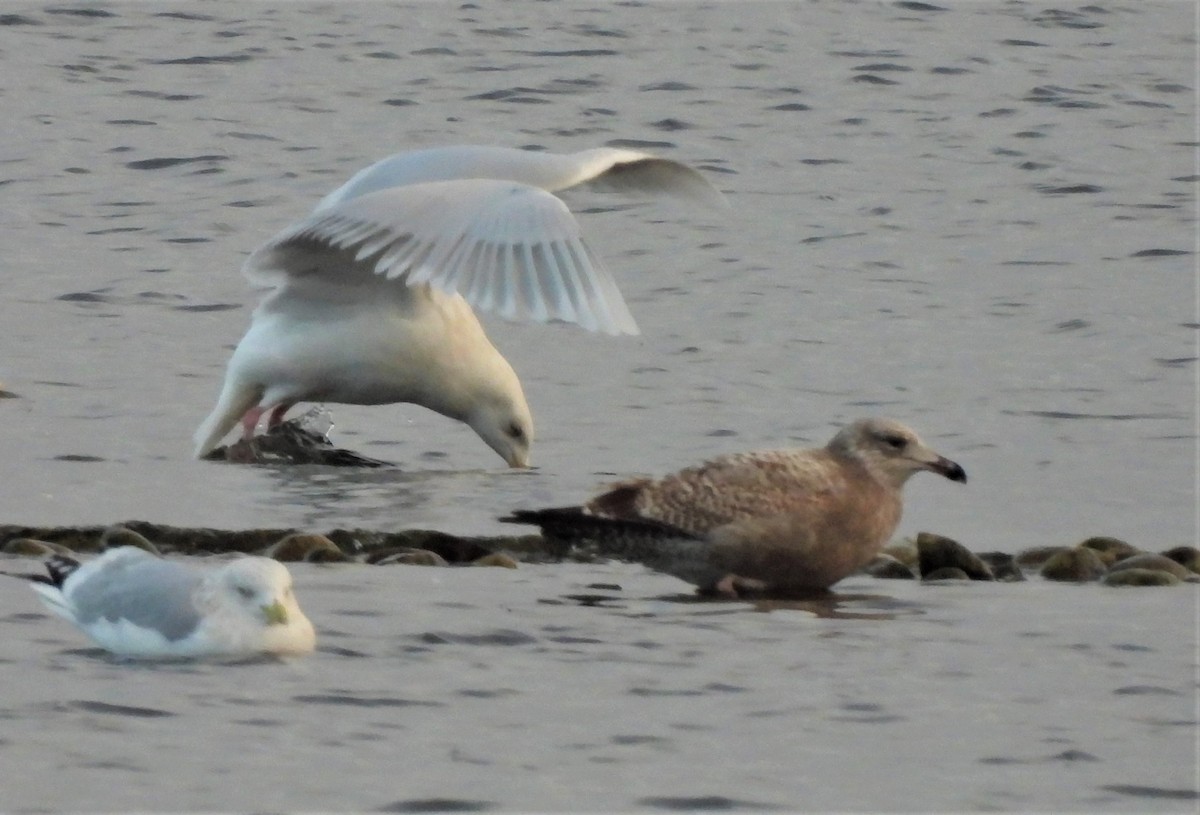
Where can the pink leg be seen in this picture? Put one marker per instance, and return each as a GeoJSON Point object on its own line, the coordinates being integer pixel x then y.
{"type": "Point", "coordinates": [250, 422]}
{"type": "Point", "coordinates": [276, 417]}
{"type": "Point", "coordinates": [734, 586]}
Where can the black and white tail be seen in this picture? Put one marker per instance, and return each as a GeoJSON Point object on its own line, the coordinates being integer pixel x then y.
{"type": "Point", "coordinates": [59, 568]}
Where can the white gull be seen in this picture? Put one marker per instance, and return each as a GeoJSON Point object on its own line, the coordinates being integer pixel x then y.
{"type": "Point", "coordinates": [369, 299]}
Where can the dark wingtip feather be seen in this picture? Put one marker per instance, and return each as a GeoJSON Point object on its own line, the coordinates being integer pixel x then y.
{"type": "Point", "coordinates": [60, 567]}
{"type": "Point", "coordinates": [575, 523]}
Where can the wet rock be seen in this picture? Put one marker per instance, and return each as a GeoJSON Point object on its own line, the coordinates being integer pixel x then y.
{"type": "Point", "coordinates": [31, 547]}
{"type": "Point", "coordinates": [904, 551]}
{"type": "Point", "coordinates": [1037, 556]}
{"type": "Point", "coordinates": [353, 543]}
{"type": "Point", "coordinates": [305, 547]}
{"type": "Point", "coordinates": [498, 559]}
{"type": "Point", "coordinates": [945, 573]}
{"type": "Point", "coordinates": [1078, 565]}
{"type": "Point", "coordinates": [887, 567]}
{"type": "Point", "coordinates": [1153, 562]}
{"type": "Point", "coordinates": [1003, 565]}
{"type": "Point", "coordinates": [291, 443]}
{"type": "Point", "coordinates": [118, 535]}
{"type": "Point", "coordinates": [1140, 577]}
{"type": "Point", "coordinates": [1186, 556]}
{"type": "Point", "coordinates": [206, 540]}
{"type": "Point", "coordinates": [71, 538]}
{"type": "Point", "coordinates": [936, 552]}
{"type": "Point", "coordinates": [1110, 550]}
{"type": "Point", "coordinates": [410, 557]}
{"type": "Point", "coordinates": [451, 547]}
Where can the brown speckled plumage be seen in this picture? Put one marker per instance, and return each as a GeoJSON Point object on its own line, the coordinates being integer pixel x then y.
{"type": "Point", "coordinates": [783, 520]}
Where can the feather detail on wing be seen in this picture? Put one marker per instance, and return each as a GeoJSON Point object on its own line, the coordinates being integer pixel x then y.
{"type": "Point", "coordinates": [731, 487]}
{"type": "Point", "coordinates": [642, 173]}
{"type": "Point", "coordinates": [505, 247]}
{"type": "Point", "coordinates": [609, 168]}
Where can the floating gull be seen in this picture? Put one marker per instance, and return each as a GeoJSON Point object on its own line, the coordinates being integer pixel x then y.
{"type": "Point", "coordinates": [369, 299]}
{"type": "Point", "coordinates": [775, 520]}
{"type": "Point", "coordinates": [136, 604]}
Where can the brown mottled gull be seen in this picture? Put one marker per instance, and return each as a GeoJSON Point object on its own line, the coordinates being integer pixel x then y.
{"type": "Point", "coordinates": [779, 521]}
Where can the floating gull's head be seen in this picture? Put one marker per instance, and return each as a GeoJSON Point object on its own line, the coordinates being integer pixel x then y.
{"type": "Point", "coordinates": [892, 451]}
{"type": "Point", "coordinates": [258, 590]}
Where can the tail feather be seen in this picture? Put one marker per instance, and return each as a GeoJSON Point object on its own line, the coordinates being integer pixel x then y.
{"type": "Point", "coordinates": [236, 398]}
{"type": "Point", "coordinates": [60, 567]}
{"type": "Point", "coordinates": [657, 545]}
{"type": "Point", "coordinates": [49, 586]}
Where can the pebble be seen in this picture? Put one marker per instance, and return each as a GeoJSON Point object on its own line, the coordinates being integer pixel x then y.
{"type": "Point", "coordinates": [936, 552]}
{"type": "Point", "coordinates": [887, 567]}
{"type": "Point", "coordinates": [1078, 565]}
{"type": "Point", "coordinates": [1153, 562]}
{"type": "Point", "coordinates": [31, 547]}
{"type": "Point", "coordinates": [1003, 566]}
{"type": "Point", "coordinates": [302, 546]}
{"type": "Point", "coordinates": [1036, 557]}
{"type": "Point", "coordinates": [118, 535]}
{"type": "Point", "coordinates": [498, 559]}
{"type": "Point", "coordinates": [1140, 577]}
{"type": "Point", "coordinates": [946, 573]}
{"type": "Point", "coordinates": [904, 551]}
{"type": "Point", "coordinates": [411, 557]}
{"type": "Point", "coordinates": [1110, 550]}
{"type": "Point", "coordinates": [1186, 556]}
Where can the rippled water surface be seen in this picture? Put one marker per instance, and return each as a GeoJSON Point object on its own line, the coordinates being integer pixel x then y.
{"type": "Point", "coordinates": [976, 217]}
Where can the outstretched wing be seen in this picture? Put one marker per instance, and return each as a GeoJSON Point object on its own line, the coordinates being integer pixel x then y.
{"type": "Point", "coordinates": [609, 168]}
{"type": "Point", "coordinates": [506, 247]}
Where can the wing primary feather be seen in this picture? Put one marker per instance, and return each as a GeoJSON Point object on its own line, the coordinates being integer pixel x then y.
{"type": "Point", "coordinates": [509, 295]}
{"type": "Point", "coordinates": [542, 298]}
{"type": "Point", "coordinates": [555, 299]}
{"type": "Point", "coordinates": [564, 286]}
{"type": "Point", "coordinates": [377, 243]}
{"type": "Point", "coordinates": [577, 286]}
{"type": "Point", "coordinates": [342, 233]}
{"type": "Point", "coordinates": [452, 267]}
{"type": "Point", "coordinates": [489, 284]}
{"type": "Point", "coordinates": [394, 263]}
{"type": "Point", "coordinates": [469, 278]}
{"type": "Point", "coordinates": [420, 270]}
{"type": "Point", "coordinates": [599, 305]}
{"type": "Point", "coordinates": [584, 291]}
{"type": "Point", "coordinates": [403, 260]}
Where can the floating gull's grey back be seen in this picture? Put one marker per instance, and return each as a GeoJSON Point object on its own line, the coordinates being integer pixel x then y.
{"type": "Point", "coordinates": [774, 520]}
{"type": "Point", "coordinates": [105, 593]}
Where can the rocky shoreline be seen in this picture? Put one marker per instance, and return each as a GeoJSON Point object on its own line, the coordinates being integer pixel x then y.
{"type": "Point", "coordinates": [1111, 561]}
{"type": "Point", "coordinates": [927, 557]}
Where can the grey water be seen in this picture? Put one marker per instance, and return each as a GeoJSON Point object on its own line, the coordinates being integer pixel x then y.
{"type": "Point", "coordinates": [978, 218]}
